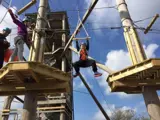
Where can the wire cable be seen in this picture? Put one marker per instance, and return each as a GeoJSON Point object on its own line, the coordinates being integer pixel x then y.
{"type": "Point", "coordinates": [6, 12]}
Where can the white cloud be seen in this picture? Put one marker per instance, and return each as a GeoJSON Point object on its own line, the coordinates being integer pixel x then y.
{"type": "Point", "coordinates": [144, 8]}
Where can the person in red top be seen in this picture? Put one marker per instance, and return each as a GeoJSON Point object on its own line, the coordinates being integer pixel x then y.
{"type": "Point", "coordinates": [83, 59]}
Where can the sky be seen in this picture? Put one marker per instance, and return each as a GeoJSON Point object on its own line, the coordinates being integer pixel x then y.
{"type": "Point", "coordinates": [106, 46]}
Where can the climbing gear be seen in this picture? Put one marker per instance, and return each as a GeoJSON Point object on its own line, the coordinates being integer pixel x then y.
{"type": "Point", "coordinates": [83, 54]}
{"type": "Point", "coordinates": [8, 30]}
{"type": "Point", "coordinates": [97, 74]}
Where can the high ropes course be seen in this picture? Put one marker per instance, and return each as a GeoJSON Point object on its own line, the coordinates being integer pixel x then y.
{"type": "Point", "coordinates": [46, 77]}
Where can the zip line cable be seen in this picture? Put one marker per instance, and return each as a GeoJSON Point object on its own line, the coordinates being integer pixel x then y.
{"type": "Point", "coordinates": [97, 84]}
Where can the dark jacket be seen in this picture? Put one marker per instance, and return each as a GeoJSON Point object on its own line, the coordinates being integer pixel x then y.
{"type": "Point", "coordinates": [2, 38]}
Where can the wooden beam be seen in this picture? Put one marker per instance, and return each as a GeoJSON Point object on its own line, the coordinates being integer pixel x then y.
{"type": "Point", "coordinates": [18, 76]}
{"type": "Point", "coordinates": [52, 72]}
{"type": "Point", "coordinates": [103, 67]}
{"type": "Point", "coordinates": [36, 77]}
{"type": "Point", "coordinates": [50, 108]}
{"type": "Point", "coordinates": [43, 87]}
{"type": "Point", "coordinates": [27, 6]}
{"type": "Point", "coordinates": [22, 92]}
{"type": "Point", "coordinates": [86, 15]}
{"type": "Point", "coordinates": [49, 102]}
{"type": "Point", "coordinates": [85, 38]}
{"type": "Point", "coordinates": [151, 24]}
{"type": "Point", "coordinates": [135, 69]}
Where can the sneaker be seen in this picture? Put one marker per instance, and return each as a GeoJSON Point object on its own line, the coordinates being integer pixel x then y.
{"type": "Point", "coordinates": [97, 74]}
{"type": "Point", "coordinates": [77, 74]}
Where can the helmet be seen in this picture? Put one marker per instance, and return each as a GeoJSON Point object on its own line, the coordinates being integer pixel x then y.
{"type": "Point", "coordinates": [83, 43]}
{"type": "Point", "coordinates": [8, 30]}
{"type": "Point", "coordinates": [25, 19]}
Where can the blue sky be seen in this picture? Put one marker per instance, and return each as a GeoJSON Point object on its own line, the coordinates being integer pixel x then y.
{"type": "Point", "coordinates": [108, 47]}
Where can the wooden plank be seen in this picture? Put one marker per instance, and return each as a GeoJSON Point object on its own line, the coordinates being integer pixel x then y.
{"type": "Point", "coordinates": [33, 86]}
{"type": "Point", "coordinates": [52, 72]}
{"type": "Point", "coordinates": [49, 102]}
{"type": "Point", "coordinates": [46, 91]}
{"type": "Point", "coordinates": [18, 76]}
{"type": "Point", "coordinates": [36, 77]}
{"type": "Point", "coordinates": [50, 108]}
{"type": "Point", "coordinates": [27, 6]}
{"type": "Point", "coordinates": [126, 73]}
{"type": "Point", "coordinates": [2, 75]}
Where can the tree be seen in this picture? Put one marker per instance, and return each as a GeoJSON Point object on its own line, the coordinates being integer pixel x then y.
{"type": "Point", "coordinates": [121, 114]}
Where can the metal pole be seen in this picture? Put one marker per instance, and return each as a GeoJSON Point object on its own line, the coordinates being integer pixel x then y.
{"type": "Point", "coordinates": [138, 55]}
{"type": "Point", "coordinates": [94, 98]}
{"type": "Point", "coordinates": [62, 114]}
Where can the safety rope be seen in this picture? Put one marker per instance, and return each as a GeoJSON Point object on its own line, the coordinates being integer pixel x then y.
{"type": "Point", "coordinates": [6, 11]}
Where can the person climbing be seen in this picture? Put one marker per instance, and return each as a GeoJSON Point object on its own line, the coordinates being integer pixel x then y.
{"type": "Point", "coordinates": [84, 61]}
{"type": "Point", "coordinates": [21, 38]}
{"type": "Point", "coordinates": [4, 44]}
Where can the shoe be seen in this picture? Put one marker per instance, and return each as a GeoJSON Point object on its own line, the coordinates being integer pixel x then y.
{"type": "Point", "coordinates": [97, 74]}
{"type": "Point", "coordinates": [77, 74]}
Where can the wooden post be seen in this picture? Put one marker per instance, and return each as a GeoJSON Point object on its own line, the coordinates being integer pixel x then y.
{"type": "Point", "coordinates": [62, 114]}
{"type": "Point", "coordinates": [30, 106]}
{"type": "Point", "coordinates": [151, 24]}
{"type": "Point", "coordinates": [94, 98]}
{"type": "Point", "coordinates": [36, 51]}
{"type": "Point", "coordinates": [138, 55]}
{"type": "Point", "coordinates": [7, 105]}
{"type": "Point", "coordinates": [36, 54]}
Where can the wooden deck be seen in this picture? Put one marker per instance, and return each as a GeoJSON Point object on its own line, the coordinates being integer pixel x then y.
{"type": "Point", "coordinates": [131, 79]}
{"type": "Point", "coordinates": [17, 78]}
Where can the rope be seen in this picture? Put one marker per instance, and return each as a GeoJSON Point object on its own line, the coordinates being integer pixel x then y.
{"type": "Point", "coordinates": [6, 12]}
{"type": "Point", "coordinates": [83, 25]}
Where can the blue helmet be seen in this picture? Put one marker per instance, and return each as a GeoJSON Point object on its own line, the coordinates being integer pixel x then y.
{"type": "Point", "coordinates": [8, 30]}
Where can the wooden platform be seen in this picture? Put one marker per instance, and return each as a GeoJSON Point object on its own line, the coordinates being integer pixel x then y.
{"type": "Point", "coordinates": [131, 79]}
{"type": "Point", "coordinates": [20, 77]}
